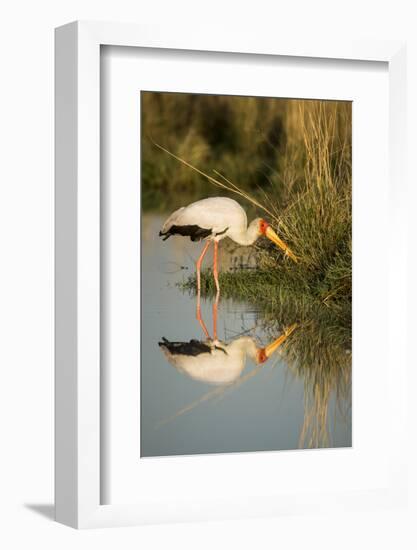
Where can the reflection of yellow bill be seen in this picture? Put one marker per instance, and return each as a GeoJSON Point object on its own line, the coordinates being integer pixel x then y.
{"type": "Point", "coordinates": [265, 353]}
{"type": "Point", "coordinates": [269, 350]}
{"type": "Point", "coordinates": [272, 236]}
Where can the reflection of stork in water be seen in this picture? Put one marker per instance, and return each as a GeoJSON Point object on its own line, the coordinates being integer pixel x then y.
{"type": "Point", "coordinates": [216, 362]}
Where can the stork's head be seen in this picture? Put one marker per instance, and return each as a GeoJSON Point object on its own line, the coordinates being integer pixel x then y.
{"type": "Point", "coordinates": [265, 229]}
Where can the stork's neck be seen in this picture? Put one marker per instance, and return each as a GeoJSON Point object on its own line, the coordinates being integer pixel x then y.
{"type": "Point", "coordinates": [244, 345]}
{"type": "Point", "coordinates": [246, 236]}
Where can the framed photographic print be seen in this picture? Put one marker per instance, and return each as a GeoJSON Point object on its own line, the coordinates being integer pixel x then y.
{"type": "Point", "coordinates": [226, 327]}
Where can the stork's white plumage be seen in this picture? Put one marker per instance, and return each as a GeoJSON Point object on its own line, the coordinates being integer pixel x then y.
{"type": "Point", "coordinates": [210, 362]}
{"type": "Point", "coordinates": [214, 219]}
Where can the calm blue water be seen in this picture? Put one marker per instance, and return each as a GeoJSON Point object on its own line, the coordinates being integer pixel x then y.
{"type": "Point", "coordinates": [260, 408]}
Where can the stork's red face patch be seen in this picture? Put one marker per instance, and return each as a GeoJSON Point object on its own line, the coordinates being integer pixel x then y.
{"type": "Point", "coordinates": [263, 226]}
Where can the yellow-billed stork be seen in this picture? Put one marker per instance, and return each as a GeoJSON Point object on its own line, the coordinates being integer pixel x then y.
{"type": "Point", "coordinates": [212, 220]}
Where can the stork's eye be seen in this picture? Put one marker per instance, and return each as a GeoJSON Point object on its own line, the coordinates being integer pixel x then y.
{"type": "Point", "coordinates": [261, 356]}
{"type": "Point", "coordinates": [263, 225]}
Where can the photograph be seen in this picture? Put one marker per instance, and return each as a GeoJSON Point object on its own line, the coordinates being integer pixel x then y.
{"type": "Point", "coordinates": [246, 274]}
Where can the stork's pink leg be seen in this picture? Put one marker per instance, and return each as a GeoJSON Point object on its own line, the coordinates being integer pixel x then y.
{"type": "Point", "coordinates": [215, 270]}
{"type": "Point", "coordinates": [200, 319]}
{"type": "Point", "coordinates": [215, 306]}
{"type": "Point", "coordinates": [198, 313]}
{"type": "Point", "coordinates": [198, 264]}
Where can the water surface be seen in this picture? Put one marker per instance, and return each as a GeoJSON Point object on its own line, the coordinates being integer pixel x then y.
{"type": "Point", "coordinates": [261, 407]}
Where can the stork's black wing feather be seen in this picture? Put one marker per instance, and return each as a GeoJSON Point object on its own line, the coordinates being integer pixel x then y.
{"type": "Point", "coordinates": [193, 347]}
{"type": "Point", "coordinates": [195, 232]}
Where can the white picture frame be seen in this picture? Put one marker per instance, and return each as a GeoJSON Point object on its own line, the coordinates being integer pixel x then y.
{"type": "Point", "coordinates": [78, 262]}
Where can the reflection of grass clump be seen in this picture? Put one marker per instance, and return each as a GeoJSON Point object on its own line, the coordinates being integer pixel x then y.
{"type": "Point", "coordinates": [321, 357]}
{"type": "Point", "coordinates": [319, 353]}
